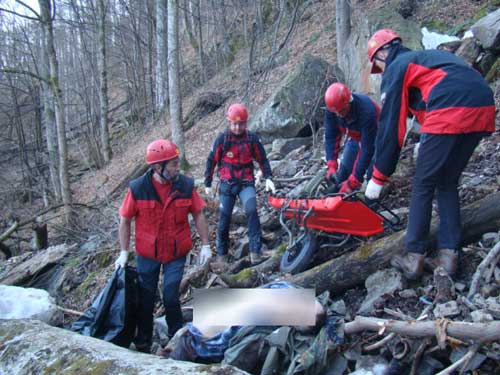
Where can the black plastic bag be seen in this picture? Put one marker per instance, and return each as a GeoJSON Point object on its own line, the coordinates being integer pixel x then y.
{"type": "Point", "coordinates": [113, 314]}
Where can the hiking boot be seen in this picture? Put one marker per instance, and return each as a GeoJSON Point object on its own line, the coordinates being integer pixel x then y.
{"type": "Point", "coordinates": [255, 258]}
{"type": "Point", "coordinates": [411, 264]}
{"type": "Point", "coordinates": [448, 259]}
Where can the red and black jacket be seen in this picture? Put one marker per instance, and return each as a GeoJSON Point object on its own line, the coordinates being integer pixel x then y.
{"type": "Point", "coordinates": [162, 229]}
{"type": "Point", "coordinates": [445, 94]}
{"type": "Point", "coordinates": [234, 156]}
{"type": "Point", "coordinates": [360, 125]}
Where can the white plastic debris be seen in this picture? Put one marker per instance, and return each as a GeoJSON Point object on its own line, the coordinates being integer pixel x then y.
{"type": "Point", "coordinates": [26, 303]}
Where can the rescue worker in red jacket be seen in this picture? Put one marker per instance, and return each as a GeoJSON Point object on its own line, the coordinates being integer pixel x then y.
{"type": "Point", "coordinates": [233, 153]}
{"type": "Point", "coordinates": [456, 109]}
{"type": "Point", "coordinates": [159, 202]}
{"type": "Point", "coordinates": [357, 115]}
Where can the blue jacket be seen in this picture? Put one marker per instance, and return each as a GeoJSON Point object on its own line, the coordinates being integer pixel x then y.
{"type": "Point", "coordinates": [360, 125]}
{"type": "Point", "coordinates": [445, 94]}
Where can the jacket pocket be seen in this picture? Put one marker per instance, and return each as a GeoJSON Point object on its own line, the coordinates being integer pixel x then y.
{"type": "Point", "coordinates": [147, 209]}
{"type": "Point", "coordinates": [182, 207]}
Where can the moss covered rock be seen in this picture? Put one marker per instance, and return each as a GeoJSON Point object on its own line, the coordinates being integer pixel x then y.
{"type": "Point", "coordinates": [297, 102]}
{"type": "Point", "coordinates": [33, 347]}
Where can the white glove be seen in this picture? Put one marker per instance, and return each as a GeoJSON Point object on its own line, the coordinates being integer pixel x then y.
{"type": "Point", "coordinates": [373, 190]}
{"type": "Point", "coordinates": [208, 190]}
{"type": "Point", "coordinates": [258, 177]}
{"type": "Point", "coordinates": [122, 259]}
{"type": "Point", "coordinates": [205, 254]}
{"type": "Point", "coordinates": [270, 185]}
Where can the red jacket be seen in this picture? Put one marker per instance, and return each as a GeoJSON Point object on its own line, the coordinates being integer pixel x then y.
{"type": "Point", "coordinates": [162, 231]}
{"type": "Point", "coordinates": [234, 156]}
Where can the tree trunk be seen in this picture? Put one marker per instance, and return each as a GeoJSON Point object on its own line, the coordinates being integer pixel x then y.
{"type": "Point", "coordinates": [161, 55]}
{"type": "Point", "coordinates": [343, 29]}
{"type": "Point", "coordinates": [103, 97]}
{"type": "Point", "coordinates": [50, 121]}
{"type": "Point", "coordinates": [352, 269]}
{"type": "Point", "coordinates": [199, 33]}
{"type": "Point", "coordinates": [173, 78]}
{"type": "Point", "coordinates": [45, 9]}
{"type": "Point", "coordinates": [151, 69]}
{"type": "Point", "coordinates": [187, 24]}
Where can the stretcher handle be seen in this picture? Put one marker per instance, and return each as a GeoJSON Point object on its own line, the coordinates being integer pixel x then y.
{"type": "Point", "coordinates": [394, 221]}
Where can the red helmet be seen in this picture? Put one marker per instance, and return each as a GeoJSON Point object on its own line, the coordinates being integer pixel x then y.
{"type": "Point", "coordinates": [376, 42]}
{"type": "Point", "coordinates": [237, 113]}
{"type": "Point", "coordinates": [161, 150]}
{"type": "Point", "coordinates": [337, 97]}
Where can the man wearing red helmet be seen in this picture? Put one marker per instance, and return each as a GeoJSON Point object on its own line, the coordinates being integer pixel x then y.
{"type": "Point", "coordinates": [233, 152]}
{"type": "Point", "coordinates": [159, 202]}
{"type": "Point", "coordinates": [455, 108]}
{"type": "Point", "coordinates": [357, 116]}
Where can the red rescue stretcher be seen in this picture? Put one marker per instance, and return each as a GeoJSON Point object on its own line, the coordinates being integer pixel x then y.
{"type": "Point", "coordinates": [329, 220]}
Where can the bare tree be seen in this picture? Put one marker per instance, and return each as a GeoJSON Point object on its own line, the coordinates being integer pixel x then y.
{"type": "Point", "coordinates": [46, 19]}
{"type": "Point", "coordinates": [49, 120]}
{"type": "Point", "coordinates": [103, 97]}
{"type": "Point", "coordinates": [173, 78]}
{"type": "Point", "coordinates": [343, 29]}
{"type": "Point", "coordinates": [161, 54]}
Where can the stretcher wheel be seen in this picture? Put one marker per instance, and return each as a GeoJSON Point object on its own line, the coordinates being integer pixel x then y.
{"type": "Point", "coordinates": [297, 257]}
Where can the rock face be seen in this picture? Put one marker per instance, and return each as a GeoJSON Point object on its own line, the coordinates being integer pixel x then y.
{"type": "Point", "coordinates": [355, 61]}
{"type": "Point", "coordinates": [33, 347]}
{"type": "Point", "coordinates": [297, 102]}
{"type": "Point", "coordinates": [487, 30]}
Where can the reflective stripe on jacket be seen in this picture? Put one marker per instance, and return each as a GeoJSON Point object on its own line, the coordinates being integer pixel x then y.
{"type": "Point", "coordinates": [234, 155]}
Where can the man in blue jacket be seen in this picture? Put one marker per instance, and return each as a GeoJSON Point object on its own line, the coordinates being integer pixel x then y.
{"type": "Point", "coordinates": [456, 109]}
{"type": "Point", "coordinates": [355, 115]}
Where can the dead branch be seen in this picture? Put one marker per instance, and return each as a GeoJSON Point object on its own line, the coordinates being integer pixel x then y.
{"type": "Point", "coordinates": [418, 355]}
{"type": "Point", "coordinates": [293, 179]}
{"type": "Point", "coordinates": [69, 311]}
{"type": "Point", "coordinates": [464, 360]}
{"type": "Point", "coordinates": [491, 259]}
{"type": "Point", "coordinates": [9, 231]}
{"type": "Point", "coordinates": [481, 332]}
{"type": "Point", "coordinates": [380, 343]}
{"type": "Point", "coordinates": [31, 219]}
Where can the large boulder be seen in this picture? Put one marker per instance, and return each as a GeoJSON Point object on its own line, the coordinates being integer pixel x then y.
{"type": "Point", "coordinates": [33, 347]}
{"type": "Point", "coordinates": [487, 30]}
{"type": "Point", "coordinates": [355, 62]}
{"type": "Point", "coordinates": [297, 103]}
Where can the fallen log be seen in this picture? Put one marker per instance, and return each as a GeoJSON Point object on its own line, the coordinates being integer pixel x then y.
{"type": "Point", "coordinates": [479, 332]}
{"type": "Point", "coordinates": [352, 269]}
{"type": "Point", "coordinates": [250, 277]}
{"type": "Point", "coordinates": [40, 263]}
